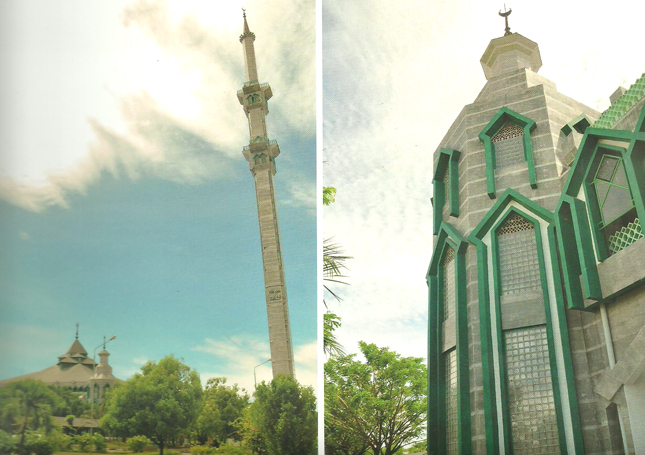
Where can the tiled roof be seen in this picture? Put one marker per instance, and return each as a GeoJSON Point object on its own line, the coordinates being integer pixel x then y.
{"type": "Point", "coordinates": [623, 104]}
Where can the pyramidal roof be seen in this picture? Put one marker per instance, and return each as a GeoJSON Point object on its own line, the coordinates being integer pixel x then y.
{"type": "Point", "coordinates": [76, 348]}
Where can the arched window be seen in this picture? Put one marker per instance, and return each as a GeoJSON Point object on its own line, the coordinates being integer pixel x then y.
{"type": "Point", "coordinates": [529, 397]}
{"type": "Point", "coordinates": [616, 213]}
{"type": "Point", "coordinates": [507, 142]}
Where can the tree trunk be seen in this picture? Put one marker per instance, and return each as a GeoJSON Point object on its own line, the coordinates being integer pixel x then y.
{"type": "Point", "coordinates": [21, 446]}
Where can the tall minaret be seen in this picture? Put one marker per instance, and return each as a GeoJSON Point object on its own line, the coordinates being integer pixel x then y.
{"type": "Point", "coordinates": [261, 154]}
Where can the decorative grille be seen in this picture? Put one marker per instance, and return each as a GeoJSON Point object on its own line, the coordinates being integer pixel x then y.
{"type": "Point", "coordinates": [452, 443]}
{"type": "Point", "coordinates": [534, 428]}
{"type": "Point", "coordinates": [519, 266]}
{"type": "Point", "coordinates": [448, 265]}
{"type": "Point", "coordinates": [624, 237]}
{"type": "Point", "coordinates": [509, 145]}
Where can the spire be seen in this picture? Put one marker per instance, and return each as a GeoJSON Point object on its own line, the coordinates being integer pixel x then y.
{"type": "Point", "coordinates": [505, 14]}
{"type": "Point", "coordinates": [247, 38]}
{"type": "Point", "coordinates": [77, 330]}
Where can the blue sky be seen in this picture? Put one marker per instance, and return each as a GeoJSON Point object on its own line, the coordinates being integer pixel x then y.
{"type": "Point", "coordinates": [125, 202]}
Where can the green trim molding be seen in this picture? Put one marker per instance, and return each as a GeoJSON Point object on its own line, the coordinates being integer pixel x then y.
{"type": "Point", "coordinates": [436, 429]}
{"type": "Point", "coordinates": [579, 124]}
{"type": "Point", "coordinates": [448, 159]}
{"type": "Point", "coordinates": [489, 224]}
{"type": "Point", "coordinates": [506, 115]}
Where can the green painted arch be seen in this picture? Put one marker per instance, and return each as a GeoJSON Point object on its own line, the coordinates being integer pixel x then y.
{"type": "Point", "coordinates": [510, 195]}
{"type": "Point", "coordinates": [448, 160]}
{"type": "Point", "coordinates": [486, 253]}
{"type": "Point", "coordinates": [448, 236]}
{"type": "Point", "coordinates": [506, 115]}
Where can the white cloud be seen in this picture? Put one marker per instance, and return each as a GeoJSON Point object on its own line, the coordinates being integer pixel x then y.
{"type": "Point", "coordinates": [241, 355]}
{"type": "Point", "coordinates": [140, 88]}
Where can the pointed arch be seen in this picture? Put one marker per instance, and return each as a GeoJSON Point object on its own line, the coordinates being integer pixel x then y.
{"type": "Point", "coordinates": [445, 181]}
{"type": "Point", "coordinates": [448, 366]}
{"type": "Point", "coordinates": [505, 117]}
{"type": "Point", "coordinates": [527, 308]}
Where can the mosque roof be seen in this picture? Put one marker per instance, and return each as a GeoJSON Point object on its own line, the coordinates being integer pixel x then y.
{"type": "Point", "coordinates": [623, 104]}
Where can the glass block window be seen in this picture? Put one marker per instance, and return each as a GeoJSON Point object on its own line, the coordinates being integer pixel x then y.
{"type": "Point", "coordinates": [531, 405]}
{"type": "Point", "coordinates": [518, 258]}
{"type": "Point", "coordinates": [452, 444]}
{"type": "Point", "coordinates": [448, 266]}
{"type": "Point", "coordinates": [508, 143]}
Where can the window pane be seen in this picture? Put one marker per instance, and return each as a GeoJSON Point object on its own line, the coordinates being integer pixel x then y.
{"type": "Point", "coordinates": [606, 168]}
{"type": "Point", "coordinates": [508, 145]}
{"type": "Point", "coordinates": [534, 427]}
{"type": "Point", "coordinates": [601, 190]}
{"type": "Point", "coordinates": [509, 152]}
{"type": "Point", "coordinates": [619, 177]}
{"type": "Point", "coordinates": [519, 266]}
{"type": "Point", "coordinates": [448, 264]}
{"type": "Point", "coordinates": [452, 445]}
{"type": "Point", "coordinates": [618, 202]}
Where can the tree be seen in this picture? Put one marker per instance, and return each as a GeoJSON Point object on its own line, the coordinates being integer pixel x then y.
{"type": "Point", "coordinates": [27, 405]}
{"type": "Point", "coordinates": [221, 407]}
{"type": "Point", "coordinates": [283, 419]}
{"type": "Point", "coordinates": [158, 403]}
{"type": "Point", "coordinates": [380, 404]}
{"type": "Point", "coordinates": [69, 403]}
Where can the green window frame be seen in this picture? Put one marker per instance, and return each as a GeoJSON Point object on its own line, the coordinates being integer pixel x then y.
{"type": "Point", "coordinates": [501, 120]}
{"type": "Point", "coordinates": [611, 202]}
{"type": "Point", "coordinates": [445, 186]}
{"type": "Point", "coordinates": [448, 390]}
{"type": "Point", "coordinates": [495, 394]}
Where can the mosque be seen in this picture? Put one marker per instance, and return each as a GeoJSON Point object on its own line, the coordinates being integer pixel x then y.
{"type": "Point", "coordinates": [536, 317]}
{"type": "Point", "coordinates": [77, 372]}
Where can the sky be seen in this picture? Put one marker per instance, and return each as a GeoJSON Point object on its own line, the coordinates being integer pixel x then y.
{"type": "Point", "coordinates": [395, 77]}
{"type": "Point", "coordinates": [126, 205]}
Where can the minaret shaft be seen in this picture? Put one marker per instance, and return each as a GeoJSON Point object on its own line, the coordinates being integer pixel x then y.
{"type": "Point", "coordinates": [261, 154]}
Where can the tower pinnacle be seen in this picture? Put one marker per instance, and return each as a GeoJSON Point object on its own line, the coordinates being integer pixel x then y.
{"type": "Point", "coordinates": [261, 154]}
{"type": "Point", "coordinates": [505, 14]}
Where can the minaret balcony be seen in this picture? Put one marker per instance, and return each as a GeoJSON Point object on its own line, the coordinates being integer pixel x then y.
{"type": "Point", "coordinates": [254, 86]}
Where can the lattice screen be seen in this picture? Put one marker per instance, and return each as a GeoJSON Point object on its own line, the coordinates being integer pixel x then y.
{"type": "Point", "coordinates": [534, 427]}
{"type": "Point", "coordinates": [519, 266]}
{"type": "Point", "coordinates": [448, 265]}
{"type": "Point", "coordinates": [452, 444]}
{"type": "Point", "coordinates": [508, 145]}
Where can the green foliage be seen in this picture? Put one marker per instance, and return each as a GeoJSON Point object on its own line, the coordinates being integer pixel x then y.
{"type": "Point", "coordinates": [27, 405]}
{"type": "Point", "coordinates": [40, 445]}
{"type": "Point", "coordinates": [159, 403]}
{"type": "Point", "coordinates": [283, 418]}
{"type": "Point", "coordinates": [64, 442]}
{"type": "Point", "coordinates": [377, 405]}
{"type": "Point", "coordinates": [70, 403]}
{"type": "Point", "coordinates": [201, 450]}
{"type": "Point", "coordinates": [221, 406]}
{"type": "Point", "coordinates": [329, 195]}
{"type": "Point", "coordinates": [100, 444]}
{"type": "Point", "coordinates": [331, 346]}
{"type": "Point", "coordinates": [138, 443]}
{"type": "Point", "coordinates": [83, 441]}
{"type": "Point", "coordinates": [8, 444]}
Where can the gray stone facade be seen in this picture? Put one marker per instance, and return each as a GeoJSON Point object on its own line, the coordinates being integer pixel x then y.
{"type": "Point", "coordinates": [598, 382]}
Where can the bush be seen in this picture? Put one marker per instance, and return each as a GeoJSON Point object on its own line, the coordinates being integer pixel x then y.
{"type": "Point", "coordinates": [83, 441]}
{"type": "Point", "coordinates": [41, 445]}
{"type": "Point", "coordinates": [65, 442]}
{"type": "Point", "coordinates": [201, 450]}
{"type": "Point", "coordinates": [7, 443]}
{"type": "Point", "coordinates": [100, 443]}
{"type": "Point", "coordinates": [138, 443]}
